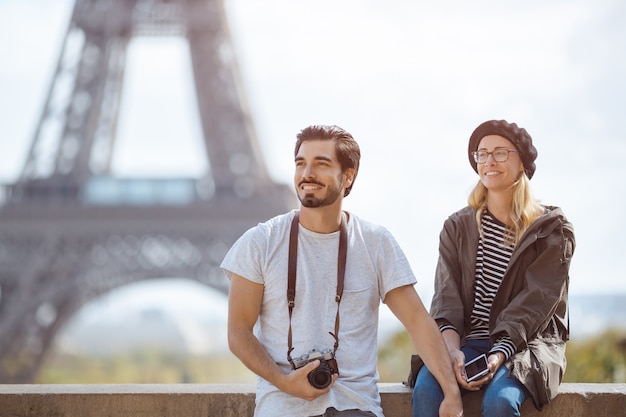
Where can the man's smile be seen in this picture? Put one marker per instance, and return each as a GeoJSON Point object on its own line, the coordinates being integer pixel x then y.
{"type": "Point", "coordinates": [310, 186]}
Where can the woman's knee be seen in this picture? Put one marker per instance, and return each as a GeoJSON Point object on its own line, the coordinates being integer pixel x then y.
{"type": "Point", "coordinates": [503, 402]}
{"type": "Point", "coordinates": [426, 384]}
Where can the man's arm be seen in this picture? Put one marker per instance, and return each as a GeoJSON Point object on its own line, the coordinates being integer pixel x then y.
{"type": "Point", "coordinates": [429, 344]}
{"type": "Point", "coordinates": [244, 306]}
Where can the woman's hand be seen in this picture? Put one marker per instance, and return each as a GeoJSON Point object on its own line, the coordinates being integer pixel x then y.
{"type": "Point", "coordinates": [458, 366]}
{"type": "Point", "coordinates": [494, 362]}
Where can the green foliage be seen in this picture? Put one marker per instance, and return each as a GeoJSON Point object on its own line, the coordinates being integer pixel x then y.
{"type": "Point", "coordinates": [600, 359]}
{"type": "Point", "coordinates": [394, 357]}
{"type": "Point", "coordinates": [144, 367]}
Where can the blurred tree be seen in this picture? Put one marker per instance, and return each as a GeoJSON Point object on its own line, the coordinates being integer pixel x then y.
{"type": "Point", "coordinates": [145, 366]}
{"type": "Point", "coordinates": [600, 359]}
{"type": "Point", "coordinates": [394, 357]}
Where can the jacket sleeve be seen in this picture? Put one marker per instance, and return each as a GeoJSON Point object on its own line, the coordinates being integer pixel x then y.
{"type": "Point", "coordinates": [447, 307]}
{"type": "Point", "coordinates": [544, 288]}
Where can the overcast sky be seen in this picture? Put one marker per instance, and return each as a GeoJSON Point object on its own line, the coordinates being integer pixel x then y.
{"type": "Point", "coordinates": [410, 80]}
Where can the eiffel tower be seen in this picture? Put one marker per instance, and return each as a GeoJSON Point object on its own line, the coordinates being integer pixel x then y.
{"type": "Point", "coordinates": [70, 231]}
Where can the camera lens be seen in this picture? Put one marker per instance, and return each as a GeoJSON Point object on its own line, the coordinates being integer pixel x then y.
{"type": "Point", "coordinates": [321, 376]}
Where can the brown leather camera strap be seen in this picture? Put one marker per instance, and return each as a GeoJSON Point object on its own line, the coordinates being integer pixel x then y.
{"type": "Point", "coordinates": [291, 276]}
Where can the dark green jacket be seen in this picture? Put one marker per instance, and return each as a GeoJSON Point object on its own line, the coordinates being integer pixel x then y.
{"type": "Point", "coordinates": [531, 303]}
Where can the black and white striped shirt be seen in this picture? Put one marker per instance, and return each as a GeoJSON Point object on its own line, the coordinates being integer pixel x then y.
{"type": "Point", "coordinates": [492, 258]}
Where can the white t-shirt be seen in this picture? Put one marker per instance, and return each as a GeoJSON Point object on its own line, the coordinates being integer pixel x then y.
{"type": "Point", "coordinates": [375, 265]}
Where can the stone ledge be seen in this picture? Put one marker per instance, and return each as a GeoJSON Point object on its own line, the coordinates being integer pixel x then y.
{"type": "Point", "coordinates": [574, 400]}
{"type": "Point", "coordinates": [237, 400]}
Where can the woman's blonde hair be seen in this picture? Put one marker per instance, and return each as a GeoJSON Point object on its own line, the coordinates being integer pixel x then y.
{"type": "Point", "coordinates": [524, 210]}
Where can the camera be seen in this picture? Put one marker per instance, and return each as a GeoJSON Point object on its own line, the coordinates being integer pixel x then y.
{"type": "Point", "coordinates": [476, 368]}
{"type": "Point", "coordinates": [320, 377]}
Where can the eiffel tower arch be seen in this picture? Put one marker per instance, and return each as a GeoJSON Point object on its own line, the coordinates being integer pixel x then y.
{"type": "Point", "coordinates": [70, 231]}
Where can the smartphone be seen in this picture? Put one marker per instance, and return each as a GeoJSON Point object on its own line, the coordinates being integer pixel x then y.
{"type": "Point", "coordinates": [476, 368]}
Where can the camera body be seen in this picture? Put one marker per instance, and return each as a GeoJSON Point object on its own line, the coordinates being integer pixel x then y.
{"type": "Point", "coordinates": [320, 377]}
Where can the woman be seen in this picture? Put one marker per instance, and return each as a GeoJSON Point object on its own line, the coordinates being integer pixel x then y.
{"type": "Point", "coordinates": [501, 281]}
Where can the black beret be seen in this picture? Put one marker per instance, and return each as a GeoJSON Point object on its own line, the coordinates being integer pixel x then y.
{"type": "Point", "coordinates": [518, 136]}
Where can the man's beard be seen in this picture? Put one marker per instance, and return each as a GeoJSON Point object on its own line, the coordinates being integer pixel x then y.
{"type": "Point", "coordinates": [332, 194]}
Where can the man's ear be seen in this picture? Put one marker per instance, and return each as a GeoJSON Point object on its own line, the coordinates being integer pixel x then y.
{"type": "Point", "coordinates": [349, 176]}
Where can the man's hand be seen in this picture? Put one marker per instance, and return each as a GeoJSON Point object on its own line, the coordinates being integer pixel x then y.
{"type": "Point", "coordinates": [451, 407]}
{"type": "Point", "coordinates": [297, 383]}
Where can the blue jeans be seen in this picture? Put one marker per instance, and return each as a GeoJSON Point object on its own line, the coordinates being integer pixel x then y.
{"type": "Point", "coordinates": [503, 396]}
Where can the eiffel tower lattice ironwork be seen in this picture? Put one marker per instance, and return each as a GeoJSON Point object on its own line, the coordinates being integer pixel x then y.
{"type": "Point", "coordinates": [70, 232]}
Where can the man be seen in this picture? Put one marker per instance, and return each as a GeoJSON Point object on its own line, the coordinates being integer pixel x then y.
{"type": "Point", "coordinates": [279, 337]}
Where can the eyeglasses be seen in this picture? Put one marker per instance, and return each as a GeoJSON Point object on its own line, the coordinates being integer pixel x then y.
{"type": "Point", "coordinates": [499, 155]}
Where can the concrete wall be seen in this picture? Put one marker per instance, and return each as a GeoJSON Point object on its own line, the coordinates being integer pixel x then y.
{"type": "Point", "coordinates": [237, 400]}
